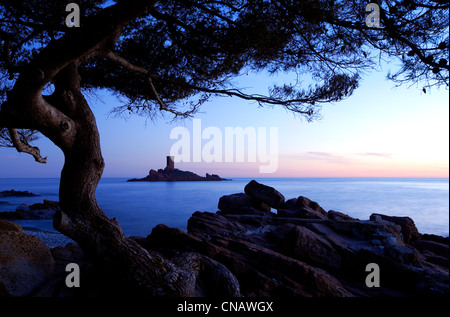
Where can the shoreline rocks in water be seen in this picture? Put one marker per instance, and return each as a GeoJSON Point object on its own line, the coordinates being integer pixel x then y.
{"type": "Point", "coordinates": [247, 249]}
{"type": "Point", "coordinates": [50, 238]}
{"type": "Point", "coordinates": [15, 193]}
{"type": "Point", "coordinates": [38, 211]}
{"type": "Point", "coordinates": [172, 174]}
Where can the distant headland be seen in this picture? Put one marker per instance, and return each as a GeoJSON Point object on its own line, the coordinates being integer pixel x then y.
{"type": "Point", "coordinates": [172, 174]}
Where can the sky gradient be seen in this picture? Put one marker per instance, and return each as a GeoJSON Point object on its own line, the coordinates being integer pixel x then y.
{"type": "Point", "coordinates": [379, 131]}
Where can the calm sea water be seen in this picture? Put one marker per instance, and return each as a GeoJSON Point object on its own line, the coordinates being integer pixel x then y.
{"type": "Point", "coordinates": [139, 206]}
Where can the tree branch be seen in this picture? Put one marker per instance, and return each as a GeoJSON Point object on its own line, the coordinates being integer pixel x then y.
{"type": "Point", "coordinates": [138, 69]}
{"type": "Point", "coordinates": [298, 104]}
{"type": "Point", "coordinates": [24, 147]}
{"type": "Point", "coordinates": [125, 63]}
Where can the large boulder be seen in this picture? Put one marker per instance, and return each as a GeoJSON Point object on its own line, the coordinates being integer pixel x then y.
{"type": "Point", "coordinates": [303, 244]}
{"type": "Point", "coordinates": [25, 261]}
{"type": "Point", "coordinates": [337, 215]}
{"type": "Point", "coordinates": [267, 259]}
{"type": "Point", "coordinates": [264, 193]}
{"type": "Point", "coordinates": [302, 207]}
{"type": "Point", "coordinates": [409, 230]}
{"type": "Point", "coordinates": [210, 277]}
{"type": "Point", "coordinates": [241, 203]}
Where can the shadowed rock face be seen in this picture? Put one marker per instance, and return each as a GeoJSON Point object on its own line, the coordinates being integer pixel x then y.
{"type": "Point", "coordinates": [25, 261]}
{"type": "Point", "coordinates": [303, 250]}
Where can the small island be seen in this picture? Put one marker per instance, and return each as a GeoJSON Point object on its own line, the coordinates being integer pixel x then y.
{"type": "Point", "coordinates": [172, 174]}
{"type": "Point", "coordinates": [16, 193]}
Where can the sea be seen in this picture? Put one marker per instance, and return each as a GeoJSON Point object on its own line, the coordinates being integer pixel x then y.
{"type": "Point", "coordinates": [140, 206]}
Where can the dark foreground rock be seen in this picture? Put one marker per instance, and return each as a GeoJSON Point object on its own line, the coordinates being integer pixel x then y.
{"type": "Point", "coordinates": [303, 250]}
{"type": "Point", "coordinates": [248, 250]}
{"type": "Point", "coordinates": [25, 261]}
{"type": "Point", "coordinates": [265, 194]}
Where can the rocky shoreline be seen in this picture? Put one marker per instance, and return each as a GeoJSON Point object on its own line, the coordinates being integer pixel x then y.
{"type": "Point", "coordinates": [39, 211]}
{"type": "Point", "coordinates": [50, 238]}
{"type": "Point", "coordinates": [257, 245]}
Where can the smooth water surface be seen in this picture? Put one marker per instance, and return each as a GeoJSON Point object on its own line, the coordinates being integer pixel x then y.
{"type": "Point", "coordinates": [139, 206]}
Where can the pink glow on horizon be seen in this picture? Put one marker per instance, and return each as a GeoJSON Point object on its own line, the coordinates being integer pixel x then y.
{"type": "Point", "coordinates": [293, 168]}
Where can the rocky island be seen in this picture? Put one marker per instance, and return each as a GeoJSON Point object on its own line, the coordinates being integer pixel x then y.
{"type": "Point", "coordinates": [172, 174]}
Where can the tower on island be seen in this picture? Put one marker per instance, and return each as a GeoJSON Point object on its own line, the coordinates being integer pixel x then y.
{"type": "Point", "coordinates": [172, 174]}
{"type": "Point", "coordinates": [170, 165]}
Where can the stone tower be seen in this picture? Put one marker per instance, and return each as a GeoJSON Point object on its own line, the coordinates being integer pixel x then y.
{"type": "Point", "coordinates": [170, 163]}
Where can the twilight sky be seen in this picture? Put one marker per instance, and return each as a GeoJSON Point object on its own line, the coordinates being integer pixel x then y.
{"type": "Point", "coordinates": [380, 131]}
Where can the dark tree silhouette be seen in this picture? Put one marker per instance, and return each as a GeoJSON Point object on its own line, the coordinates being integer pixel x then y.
{"type": "Point", "coordinates": [171, 56]}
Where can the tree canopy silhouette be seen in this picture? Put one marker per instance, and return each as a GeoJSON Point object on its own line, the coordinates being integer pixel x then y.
{"type": "Point", "coordinates": [172, 56]}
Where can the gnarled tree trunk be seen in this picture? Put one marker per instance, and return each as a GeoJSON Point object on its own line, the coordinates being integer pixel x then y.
{"type": "Point", "coordinates": [81, 217]}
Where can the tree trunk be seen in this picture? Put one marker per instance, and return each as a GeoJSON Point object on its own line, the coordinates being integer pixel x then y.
{"type": "Point", "coordinates": [66, 119]}
{"type": "Point", "coordinates": [82, 219]}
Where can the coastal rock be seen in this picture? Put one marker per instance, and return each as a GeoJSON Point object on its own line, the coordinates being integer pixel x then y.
{"type": "Point", "coordinates": [335, 244]}
{"type": "Point", "coordinates": [211, 277]}
{"type": "Point", "coordinates": [303, 244]}
{"type": "Point", "coordinates": [25, 261]}
{"type": "Point", "coordinates": [435, 251]}
{"type": "Point", "coordinates": [437, 248]}
{"type": "Point", "coordinates": [337, 215]}
{"type": "Point", "coordinates": [45, 210]}
{"type": "Point", "coordinates": [241, 203]}
{"type": "Point", "coordinates": [259, 270]}
{"type": "Point", "coordinates": [204, 224]}
{"type": "Point", "coordinates": [7, 226]}
{"type": "Point", "coordinates": [409, 230]}
{"type": "Point", "coordinates": [16, 193]}
{"type": "Point", "coordinates": [302, 207]}
{"type": "Point", "coordinates": [265, 194]}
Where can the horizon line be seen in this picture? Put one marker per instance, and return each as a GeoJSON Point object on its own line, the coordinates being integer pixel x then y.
{"type": "Point", "coordinates": [259, 177]}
